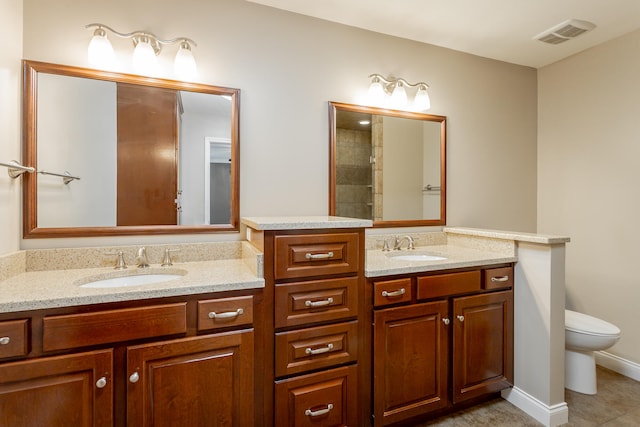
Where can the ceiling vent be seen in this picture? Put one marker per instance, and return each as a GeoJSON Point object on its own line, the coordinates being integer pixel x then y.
{"type": "Point", "coordinates": [565, 31]}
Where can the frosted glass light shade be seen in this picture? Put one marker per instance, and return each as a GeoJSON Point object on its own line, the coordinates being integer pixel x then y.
{"type": "Point", "coordinates": [144, 59]}
{"type": "Point", "coordinates": [399, 97]}
{"type": "Point", "coordinates": [100, 52]}
{"type": "Point", "coordinates": [376, 93]}
{"type": "Point", "coordinates": [185, 64]}
{"type": "Point", "coordinates": [422, 101]}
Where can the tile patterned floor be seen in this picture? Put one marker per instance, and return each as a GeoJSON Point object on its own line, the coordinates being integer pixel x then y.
{"type": "Point", "coordinates": [617, 404]}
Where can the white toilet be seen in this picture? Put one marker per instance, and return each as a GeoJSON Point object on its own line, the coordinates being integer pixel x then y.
{"type": "Point", "coordinates": [585, 334]}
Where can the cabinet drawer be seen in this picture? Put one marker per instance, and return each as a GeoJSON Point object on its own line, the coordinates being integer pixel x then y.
{"type": "Point", "coordinates": [225, 312]}
{"type": "Point", "coordinates": [316, 254]}
{"type": "Point", "coordinates": [315, 301]}
{"type": "Point", "coordinates": [314, 348]}
{"type": "Point", "coordinates": [14, 338]}
{"type": "Point", "coordinates": [498, 278]}
{"type": "Point", "coordinates": [322, 399]}
{"type": "Point", "coordinates": [101, 327]}
{"type": "Point", "coordinates": [448, 284]}
{"type": "Point", "coordinates": [392, 292]}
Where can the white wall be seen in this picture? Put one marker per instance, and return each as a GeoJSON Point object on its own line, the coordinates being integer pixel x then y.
{"type": "Point", "coordinates": [589, 173]}
{"type": "Point", "coordinates": [76, 134]}
{"type": "Point", "coordinates": [431, 170]}
{"type": "Point", "coordinates": [288, 67]}
{"type": "Point", "coordinates": [195, 128]}
{"type": "Point", "coordinates": [10, 77]}
{"type": "Point", "coordinates": [402, 160]}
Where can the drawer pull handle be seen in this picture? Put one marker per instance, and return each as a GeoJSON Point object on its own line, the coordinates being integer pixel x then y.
{"type": "Point", "coordinates": [397, 293]}
{"type": "Point", "coordinates": [322, 303]}
{"type": "Point", "coordinates": [460, 318]}
{"type": "Point", "coordinates": [134, 378]}
{"type": "Point", "coordinates": [500, 279]}
{"type": "Point", "coordinates": [446, 320]}
{"type": "Point", "coordinates": [312, 352]}
{"type": "Point", "coordinates": [226, 315]}
{"type": "Point", "coordinates": [102, 382]}
{"type": "Point", "coordinates": [5, 340]}
{"type": "Point", "coordinates": [319, 412]}
{"type": "Point", "coordinates": [312, 257]}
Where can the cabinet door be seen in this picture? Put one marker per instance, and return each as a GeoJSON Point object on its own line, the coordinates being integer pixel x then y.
{"type": "Point", "coordinates": [482, 344]}
{"type": "Point", "coordinates": [199, 381]}
{"type": "Point", "coordinates": [410, 347]}
{"type": "Point", "coordinates": [72, 390]}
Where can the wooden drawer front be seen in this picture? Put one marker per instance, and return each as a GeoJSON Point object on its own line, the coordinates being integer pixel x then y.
{"type": "Point", "coordinates": [313, 348]}
{"type": "Point", "coordinates": [14, 338]}
{"type": "Point", "coordinates": [225, 312]}
{"type": "Point", "coordinates": [315, 301]}
{"type": "Point", "coordinates": [498, 278]}
{"type": "Point", "coordinates": [316, 255]}
{"type": "Point", "coordinates": [79, 330]}
{"type": "Point", "coordinates": [448, 284]}
{"type": "Point", "coordinates": [322, 399]}
{"type": "Point", "coordinates": [392, 292]}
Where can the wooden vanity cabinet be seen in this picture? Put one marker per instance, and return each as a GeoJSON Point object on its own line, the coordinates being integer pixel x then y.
{"type": "Point", "coordinates": [161, 362]}
{"type": "Point", "coordinates": [315, 282]}
{"type": "Point", "coordinates": [451, 342]}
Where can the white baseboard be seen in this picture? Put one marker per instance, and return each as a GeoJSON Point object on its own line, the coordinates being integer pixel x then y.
{"type": "Point", "coordinates": [550, 416]}
{"type": "Point", "coordinates": [618, 364]}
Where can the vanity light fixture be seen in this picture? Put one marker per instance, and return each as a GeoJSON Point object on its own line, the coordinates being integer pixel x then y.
{"type": "Point", "coordinates": [391, 93]}
{"type": "Point", "coordinates": [147, 47]}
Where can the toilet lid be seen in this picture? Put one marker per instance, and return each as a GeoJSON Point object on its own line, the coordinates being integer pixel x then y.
{"type": "Point", "coordinates": [583, 323]}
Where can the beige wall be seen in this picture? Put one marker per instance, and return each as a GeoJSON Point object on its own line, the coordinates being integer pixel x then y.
{"type": "Point", "coordinates": [589, 173]}
{"type": "Point", "coordinates": [10, 75]}
{"type": "Point", "coordinates": [289, 66]}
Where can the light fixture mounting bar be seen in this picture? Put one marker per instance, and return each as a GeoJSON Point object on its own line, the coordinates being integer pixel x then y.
{"type": "Point", "coordinates": [390, 82]}
{"type": "Point", "coordinates": [142, 36]}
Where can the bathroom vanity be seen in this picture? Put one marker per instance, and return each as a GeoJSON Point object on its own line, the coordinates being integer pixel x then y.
{"type": "Point", "coordinates": [100, 357]}
{"type": "Point", "coordinates": [437, 332]}
{"type": "Point", "coordinates": [377, 341]}
{"type": "Point", "coordinates": [324, 329]}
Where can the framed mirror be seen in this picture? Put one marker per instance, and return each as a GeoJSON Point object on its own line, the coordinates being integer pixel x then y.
{"type": "Point", "coordinates": [386, 165]}
{"type": "Point", "coordinates": [118, 154]}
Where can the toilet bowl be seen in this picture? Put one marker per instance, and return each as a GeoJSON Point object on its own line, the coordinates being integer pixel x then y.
{"type": "Point", "coordinates": [585, 334]}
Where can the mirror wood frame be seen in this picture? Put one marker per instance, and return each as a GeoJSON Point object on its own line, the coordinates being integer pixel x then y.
{"type": "Point", "coordinates": [30, 143]}
{"type": "Point", "coordinates": [334, 107]}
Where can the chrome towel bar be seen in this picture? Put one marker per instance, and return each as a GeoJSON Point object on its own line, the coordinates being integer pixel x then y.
{"type": "Point", "coordinates": [16, 169]}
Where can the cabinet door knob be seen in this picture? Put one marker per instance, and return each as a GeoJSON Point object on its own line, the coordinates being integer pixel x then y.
{"type": "Point", "coordinates": [5, 340]}
{"type": "Point", "coordinates": [460, 318]}
{"type": "Point", "coordinates": [397, 293]}
{"type": "Point", "coordinates": [309, 303]}
{"type": "Point", "coordinates": [446, 320]}
{"type": "Point", "coordinates": [319, 412]}
{"type": "Point", "coordinates": [102, 382]}
{"type": "Point", "coordinates": [133, 378]}
{"type": "Point", "coordinates": [321, 350]}
{"type": "Point", "coordinates": [226, 315]}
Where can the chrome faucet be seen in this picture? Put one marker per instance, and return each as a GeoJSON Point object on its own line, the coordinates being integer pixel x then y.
{"type": "Point", "coordinates": [141, 258]}
{"type": "Point", "coordinates": [398, 243]}
{"type": "Point", "coordinates": [120, 262]}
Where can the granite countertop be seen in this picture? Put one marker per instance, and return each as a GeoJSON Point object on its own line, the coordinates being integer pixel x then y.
{"type": "Point", "coordinates": [34, 290]}
{"type": "Point", "coordinates": [379, 263]}
{"type": "Point", "coordinates": [304, 222]}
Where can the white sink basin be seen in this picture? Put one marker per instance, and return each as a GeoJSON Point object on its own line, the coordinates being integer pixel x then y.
{"type": "Point", "coordinates": [132, 280]}
{"type": "Point", "coordinates": [414, 256]}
